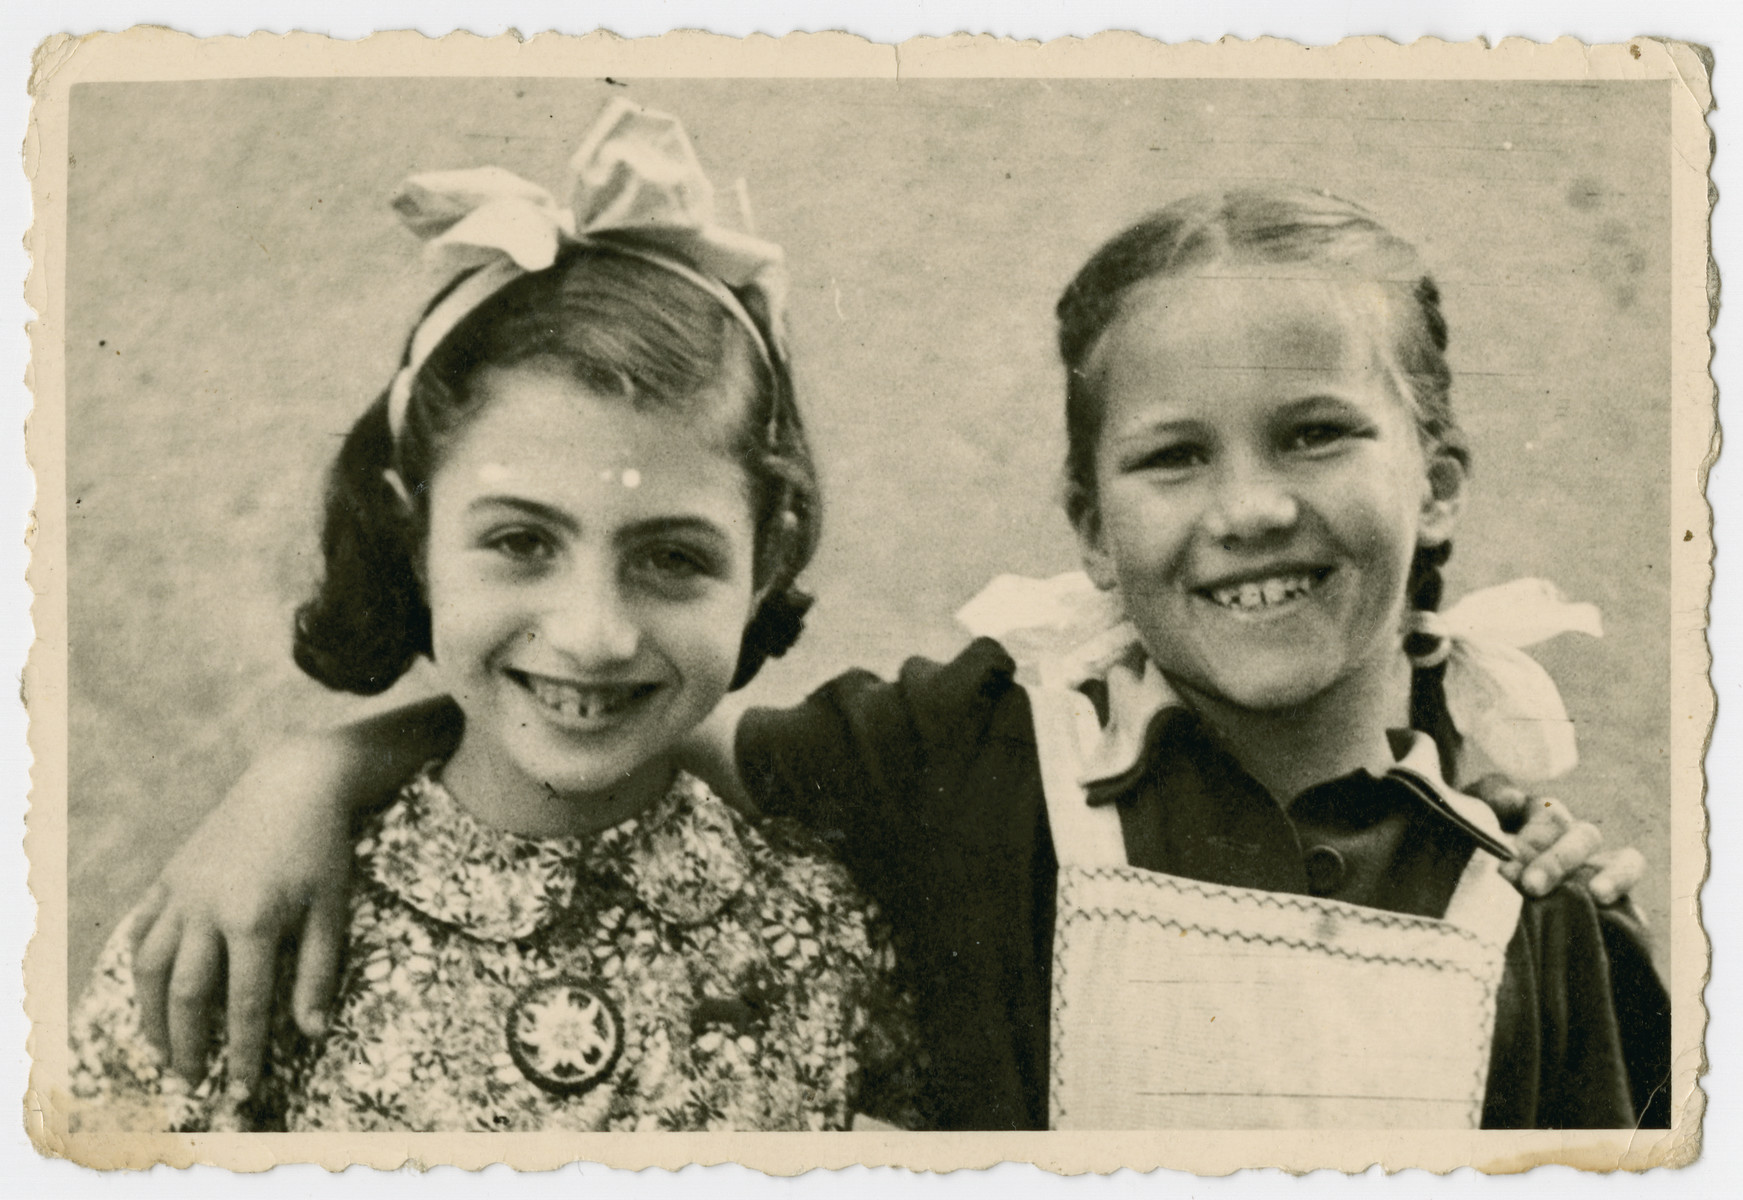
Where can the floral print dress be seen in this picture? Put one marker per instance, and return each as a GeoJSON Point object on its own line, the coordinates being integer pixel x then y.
{"type": "Point", "coordinates": [686, 969]}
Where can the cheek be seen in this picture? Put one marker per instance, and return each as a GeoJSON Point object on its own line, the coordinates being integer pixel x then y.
{"type": "Point", "coordinates": [1377, 497]}
{"type": "Point", "coordinates": [704, 636]}
{"type": "Point", "coordinates": [704, 651]}
{"type": "Point", "coordinates": [470, 617]}
{"type": "Point", "coordinates": [1144, 528]}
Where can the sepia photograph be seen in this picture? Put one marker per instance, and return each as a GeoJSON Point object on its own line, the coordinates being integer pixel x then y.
{"type": "Point", "coordinates": [674, 601]}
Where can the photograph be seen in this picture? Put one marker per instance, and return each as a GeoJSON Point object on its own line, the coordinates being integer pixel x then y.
{"type": "Point", "coordinates": [1014, 610]}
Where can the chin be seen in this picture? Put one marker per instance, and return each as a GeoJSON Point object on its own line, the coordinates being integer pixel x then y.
{"type": "Point", "coordinates": [569, 772]}
{"type": "Point", "coordinates": [1262, 691]}
{"type": "Point", "coordinates": [580, 785]}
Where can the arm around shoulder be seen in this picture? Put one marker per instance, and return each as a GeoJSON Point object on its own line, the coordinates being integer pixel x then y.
{"type": "Point", "coordinates": [855, 759]}
{"type": "Point", "coordinates": [271, 861]}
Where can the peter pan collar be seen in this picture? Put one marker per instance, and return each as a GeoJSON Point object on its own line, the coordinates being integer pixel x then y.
{"type": "Point", "coordinates": [683, 858]}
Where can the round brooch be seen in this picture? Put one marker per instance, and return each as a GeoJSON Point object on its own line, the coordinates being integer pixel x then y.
{"type": "Point", "coordinates": [565, 1035]}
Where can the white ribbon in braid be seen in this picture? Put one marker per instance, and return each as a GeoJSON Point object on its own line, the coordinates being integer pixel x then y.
{"type": "Point", "coordinates": [1064, 632]}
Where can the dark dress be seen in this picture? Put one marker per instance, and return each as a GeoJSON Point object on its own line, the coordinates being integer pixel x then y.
{"type": "Point", "coordinates": [929, 790]}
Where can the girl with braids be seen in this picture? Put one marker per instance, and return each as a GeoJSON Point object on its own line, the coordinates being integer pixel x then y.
{"type": "Point", "coordinates": [584, 500]}
{"type": "Point", "coordinates": [1174, 843]}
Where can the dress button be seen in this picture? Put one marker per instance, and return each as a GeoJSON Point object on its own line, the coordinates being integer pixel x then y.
{"type": "Point", "coordinates": [1325, 870]}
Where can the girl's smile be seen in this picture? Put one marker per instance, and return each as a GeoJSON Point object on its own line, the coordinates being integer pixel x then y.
{"type": "Point", "coordinates": [1261, 488]}
{"type": "Point", "coordinates": [588, 570]}
{"type": "Point", "coordinates": [1266, 593]}
{"type": "Point", "coordinates": [586, 707]}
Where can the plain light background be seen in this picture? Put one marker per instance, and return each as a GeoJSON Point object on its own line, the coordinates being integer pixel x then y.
{"type": "Point", "coordinates": [238, 290]}
{"type": "Point", "coordinates": [1593, 19]}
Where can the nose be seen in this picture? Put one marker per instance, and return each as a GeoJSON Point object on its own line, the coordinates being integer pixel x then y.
{"type": "Point", "coordinates": [1251, 501]}
{"type": "Point", "coordinates": [589, 619]}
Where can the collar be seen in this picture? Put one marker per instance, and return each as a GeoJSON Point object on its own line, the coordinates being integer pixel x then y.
{"type": "Point", "coordinates": [1066, 633]}
{"type": "Point", "coordinates": [1064, 630]}
{"type": "Point", "coordinates": [1139, 710]}
{"type": "Point", "coordinates": [1171, 728]}
{"type": "Point", "coordinates": [682, 857]}
{"type": "Point", "coordinates": [1418, 768]}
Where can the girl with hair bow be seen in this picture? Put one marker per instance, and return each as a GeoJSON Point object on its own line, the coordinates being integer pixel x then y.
{"type": "Point", "coordinates": [1172, 843]}
{"type": "Point", "coordinates": [584, 498]}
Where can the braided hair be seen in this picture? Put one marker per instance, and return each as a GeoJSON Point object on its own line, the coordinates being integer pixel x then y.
{"type": "Point", "coordinates": [1307, 231]}
{"type": "Point", "coordinates": [626, 329]}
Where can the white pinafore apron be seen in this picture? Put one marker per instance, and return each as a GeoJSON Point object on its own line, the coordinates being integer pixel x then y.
{"type": "Point", "coordinates": [1179, 1004]}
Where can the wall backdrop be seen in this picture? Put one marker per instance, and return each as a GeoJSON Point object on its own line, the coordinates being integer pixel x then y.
{"type": "Point", "coordinates": [239, 290]}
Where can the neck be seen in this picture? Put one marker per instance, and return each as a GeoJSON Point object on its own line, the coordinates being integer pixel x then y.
{"type": "Point", "coordinates": [1340, 731]}
{"type": "Point", "coordinates": [494, 790]}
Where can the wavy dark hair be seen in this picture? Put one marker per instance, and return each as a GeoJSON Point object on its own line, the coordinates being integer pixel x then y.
{"type": "Point", "coordinates": [1306, 232]}
{"type": "Point", "coordinates": [626, 328]}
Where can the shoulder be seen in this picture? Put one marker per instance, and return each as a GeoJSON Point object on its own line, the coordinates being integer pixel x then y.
{"type": "Point", "coordinates": [1567, 916]}
{"type": "Point", "coordinates": [972, 687]}
{"type": "Point", "coordinates": [1601, 1013]}
{"type": "Point", "coordinates": [1587, 956]}
{"type": "Point", "coordinates": [107, 1043]}
{"type": "Point", "coordinates": [797, 886]}
{"type": "Point", "coordinates": [1571, 934]}
{"type": "Point", "coordinates": [929, 702]}
{"type": "Point", "coordinates": [119, 1081]}
{"type": "Point", "coordinates": [791, 865]}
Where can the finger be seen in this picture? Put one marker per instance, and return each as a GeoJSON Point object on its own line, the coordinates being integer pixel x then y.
{"type": "Point", "coordinates": [191, 987]}
{"type": "Point", "coordinates": [146, 913]}
{"type": "Point", "coordinates": [1509, 801]}
{"type": "Point", "coordinates": [154, 957]}
{"type": "Point", "coordinates": [323, 942]}
{"type": "Point", "coordinates": [1619, 871]}
{"type": "Point", "coordinates": [1549, 821]}
{"type": "Point", "coordinates": [1553, 865]}
{"type": "Point", "coordinates": [248, 1008]}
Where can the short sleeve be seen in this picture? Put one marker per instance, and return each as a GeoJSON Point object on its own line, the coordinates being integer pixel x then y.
{"type": "Point", "coordinates": [862, 760]}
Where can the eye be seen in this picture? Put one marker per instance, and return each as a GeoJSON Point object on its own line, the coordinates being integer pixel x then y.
{"type": "Point", "coordinates": [1322, 435]}
{"type": "Point", "coordinates": [1176, 456]}
{"type": "Point", "coordinates": [522, 544]}
{"type": "Point", "coordinates": [670, 562]}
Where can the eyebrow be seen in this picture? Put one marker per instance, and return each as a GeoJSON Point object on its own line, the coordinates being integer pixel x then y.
{"type": "Point", "coordinates": [531, 508]}
{"type": "Point", "coordinates": [561, 519]}
{"type": "Point", "coordinates": [1160, 428]}
{"type": "Point", "coordinates": [1317, 400]}
{"type": "Point", "coordinates": [1287, 410]}
{"type": "Point", "coordinates": [659, 525]}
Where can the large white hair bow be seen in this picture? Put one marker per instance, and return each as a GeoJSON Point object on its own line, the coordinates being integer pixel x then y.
{"type": "Point", "coordinates": [1497, 695]}
{"type": "Point", "coordinates": [1064, 632]}
{"type": "Point", "coordinates": [635, 184]}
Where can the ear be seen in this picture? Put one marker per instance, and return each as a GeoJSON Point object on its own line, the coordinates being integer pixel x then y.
{"type": "Point", "coordinates": [1443, 499]}
{"type": "Point", "coordinates": [1098, 564]}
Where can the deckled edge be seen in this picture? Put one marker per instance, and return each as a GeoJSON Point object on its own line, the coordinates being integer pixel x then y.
{"type": "Point", "coordinates": [63, 60]}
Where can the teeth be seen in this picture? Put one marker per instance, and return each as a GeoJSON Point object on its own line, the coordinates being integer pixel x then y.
{"type": "Point", "coordinates": [1247, 597]}
{"type": "Point", "coordinates": [576, 702]}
